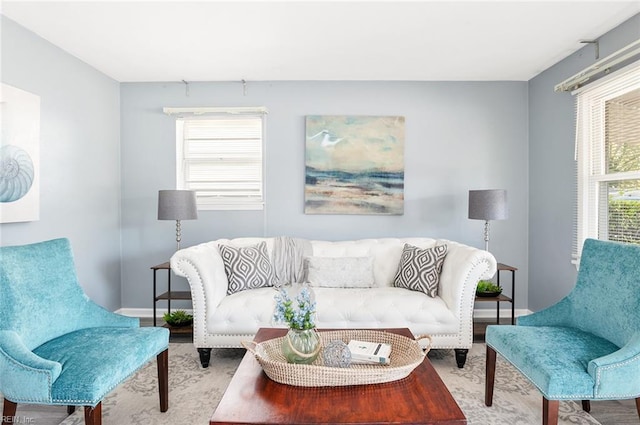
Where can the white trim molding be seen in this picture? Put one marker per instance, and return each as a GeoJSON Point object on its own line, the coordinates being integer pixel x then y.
{"type": "Point", "coordinates": [148, 312]}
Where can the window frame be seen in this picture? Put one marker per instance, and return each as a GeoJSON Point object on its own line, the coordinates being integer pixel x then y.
{"type": "Point", "coordinates": [590, 153]}
{"type": "Point", "coordinates": [222, 203]}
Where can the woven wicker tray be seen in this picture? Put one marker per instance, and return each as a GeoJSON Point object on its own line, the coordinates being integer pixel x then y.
{"type": "Point", "coordinates": [406, 355]}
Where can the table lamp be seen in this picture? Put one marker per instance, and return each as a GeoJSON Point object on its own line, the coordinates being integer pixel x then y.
{"type": "Point", "coordinates": [488, 205]}
{"type": "Point", "coordinates": [177, 205]}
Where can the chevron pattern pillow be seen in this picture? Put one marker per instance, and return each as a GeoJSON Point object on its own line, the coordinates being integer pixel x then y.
{"type": "Point", "coordinates": [247, 267]}
{"type": "Point", "coordinates": [419, 269]}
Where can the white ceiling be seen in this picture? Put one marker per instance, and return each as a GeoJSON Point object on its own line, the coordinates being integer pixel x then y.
{"type": "Point", "coordinates": [320, 40]}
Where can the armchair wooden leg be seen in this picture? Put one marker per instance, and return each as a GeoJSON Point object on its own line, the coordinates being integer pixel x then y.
{"type": "Point", "coordinates": [490, 376]}
{"type": "Point", "coordinates": [71, 410]}
{"type": "Point", "coordinates": [163, 379]}
{"type": "Point", "coordinates": [93, 415]}
{"type": "Point", "coordinates": [550, 411]}
{"type": "Point", "coordinates": [9, 412]}
{"type": "Point", "coordinates": [586, 406]}
{"type": "Point", "coordinates": [638, 406]}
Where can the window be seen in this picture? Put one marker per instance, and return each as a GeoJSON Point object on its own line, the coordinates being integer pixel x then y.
{"type": "Point", "coordinates": [220, 156]}
{"type": "Point", "coordinates": [608, 159]}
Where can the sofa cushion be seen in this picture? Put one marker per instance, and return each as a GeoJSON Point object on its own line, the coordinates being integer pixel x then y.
{"type": "Point", "coordinates": [339, 272]}
{"type": "Point", "coordinates": [247, 267]}
{"type": "Point", "coordinates": [243, 313]}
{"type": "Point", "coordinates": [419, 269]}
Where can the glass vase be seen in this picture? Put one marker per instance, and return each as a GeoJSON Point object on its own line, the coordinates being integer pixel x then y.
{"type": "Point", "coordinates": [301, 346]}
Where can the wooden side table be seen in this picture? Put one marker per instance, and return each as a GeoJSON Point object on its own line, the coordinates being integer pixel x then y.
{"type": "Point", "coordinates": [502, 297]}
{"type": "Point", "coordinates": [169, 295]}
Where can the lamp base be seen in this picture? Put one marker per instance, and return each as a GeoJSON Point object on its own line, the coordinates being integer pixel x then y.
{"type": "Point", "coordinates": [486, 235]}
{"type": "Point", "coordinates": [178, 235]}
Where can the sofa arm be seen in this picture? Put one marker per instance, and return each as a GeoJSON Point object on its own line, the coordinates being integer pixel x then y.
{"type": "Point", "coordinates": [24, 376]}
{"type": "Point", "coordinates": [463, 267]}
{"type": "Point", "coordinates": [558, 314]}
{"type": "Point", "coordinates": [203, 268]}
{"type": "Point", "coordinates": [612, 372]}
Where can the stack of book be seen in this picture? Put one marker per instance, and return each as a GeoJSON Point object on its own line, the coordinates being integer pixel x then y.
{"type": "Point", "coordinates": [364, 352]}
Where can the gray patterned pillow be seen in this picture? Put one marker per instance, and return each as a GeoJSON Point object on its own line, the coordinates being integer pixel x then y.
{"type": "Point", "coordinates": [419, 269]}
{"type": "Point", "coordinates": [247, 267]}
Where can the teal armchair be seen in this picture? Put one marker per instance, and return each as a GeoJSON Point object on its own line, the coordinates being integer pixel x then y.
{"type": "Point", "coordinates": [57, 347]}
{"type": "Point", "coordinates": [585, 347]}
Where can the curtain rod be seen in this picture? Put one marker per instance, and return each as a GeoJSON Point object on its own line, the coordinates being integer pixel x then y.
{"type": "Point", "coordinates": [600, 66]}
{"type": "Point", "coordinates": [238, 110]}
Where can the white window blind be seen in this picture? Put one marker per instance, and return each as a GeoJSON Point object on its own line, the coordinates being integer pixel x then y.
{"type": "Point", "coordinates": [220, 156]}
{"type": "Point", "coordinates": [608, 159]}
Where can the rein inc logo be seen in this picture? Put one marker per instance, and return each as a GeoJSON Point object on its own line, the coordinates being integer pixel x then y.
{"type": "Point", "coordinates": [17, 420]}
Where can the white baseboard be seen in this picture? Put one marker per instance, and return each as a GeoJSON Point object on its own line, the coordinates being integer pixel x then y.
{"type": "Point", "coordinates": [148, 312]}
{"type": "Point", "coordinates": [490, 313]}
{"type": "Point", "coordinates": [479, 313]}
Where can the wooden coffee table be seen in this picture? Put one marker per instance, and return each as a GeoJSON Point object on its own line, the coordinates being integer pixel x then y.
{"type": "Point", "coordinates": [253, 398]}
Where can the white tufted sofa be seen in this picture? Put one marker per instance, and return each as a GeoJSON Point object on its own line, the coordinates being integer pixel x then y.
{"type": "Point", "coordinates": [222, 320]}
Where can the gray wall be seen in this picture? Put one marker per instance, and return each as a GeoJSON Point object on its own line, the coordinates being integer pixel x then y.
{"type": "Point", "coordinates": [459, 136]}
{"type": "Point", "coordinates": [79, 158]}
{"type": "Point", "coordinates": [552, 170]}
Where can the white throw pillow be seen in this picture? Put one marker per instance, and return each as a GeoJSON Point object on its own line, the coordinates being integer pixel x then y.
{"type": "Point", "coordinates": [339, 272]}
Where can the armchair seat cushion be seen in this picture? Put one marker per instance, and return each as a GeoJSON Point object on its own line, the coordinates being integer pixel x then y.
{"type": "Point", "coordinates": [554, 359]}
{"type": "Point", "coordinates": [86, 354]}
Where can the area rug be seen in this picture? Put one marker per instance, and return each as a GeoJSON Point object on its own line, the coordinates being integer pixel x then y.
{"type": "Point", "coordinates": [195, 393]}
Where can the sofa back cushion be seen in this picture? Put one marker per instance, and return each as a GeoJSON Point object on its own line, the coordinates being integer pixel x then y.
{"type": "Point", "coordinates": [339, 272]}
{"type": "Point", "coordinates": [385, 252]}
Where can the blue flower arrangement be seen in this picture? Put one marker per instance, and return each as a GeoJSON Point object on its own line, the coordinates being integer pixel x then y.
{"type": "Point", "coordinates": [297, 318]}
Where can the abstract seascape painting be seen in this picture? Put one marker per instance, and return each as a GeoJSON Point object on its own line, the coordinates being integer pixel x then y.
{"type": "Point", "coordinates": [354, 165]}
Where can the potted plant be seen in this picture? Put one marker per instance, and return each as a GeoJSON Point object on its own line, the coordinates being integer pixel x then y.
{"type": "Point", "coordinates": [486, 288]}
{"type": "Point", "coordinates": [178, 318]}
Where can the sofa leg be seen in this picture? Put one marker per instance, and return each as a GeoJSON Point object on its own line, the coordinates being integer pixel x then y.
{"type": "Point", "coordinates": [9, 412]}
{"type": "Point", "coordinates": [638, 406]}
{"type": "Point", "coordinates": [71, 410]}
{"type": "Point", "coordinates": [205, 356]}
{"type": "Point", "coordinates": [461, 356]}
{"type": "Point", "coordinates": [93, 415]}
{"type": "Point", "coordinates": [550, 411]}
{"type": "Point", "coordinates": [163, 379]}
{"type": "Point", "coordinates": [490, 376]}
{"type": "Point", "coordinates": [586, 406]}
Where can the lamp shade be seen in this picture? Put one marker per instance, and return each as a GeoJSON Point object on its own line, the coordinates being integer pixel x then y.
{"type": "Point", "coordinates": [488, 204]}
{"type": "Point", "coordinates": [177, 205]}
